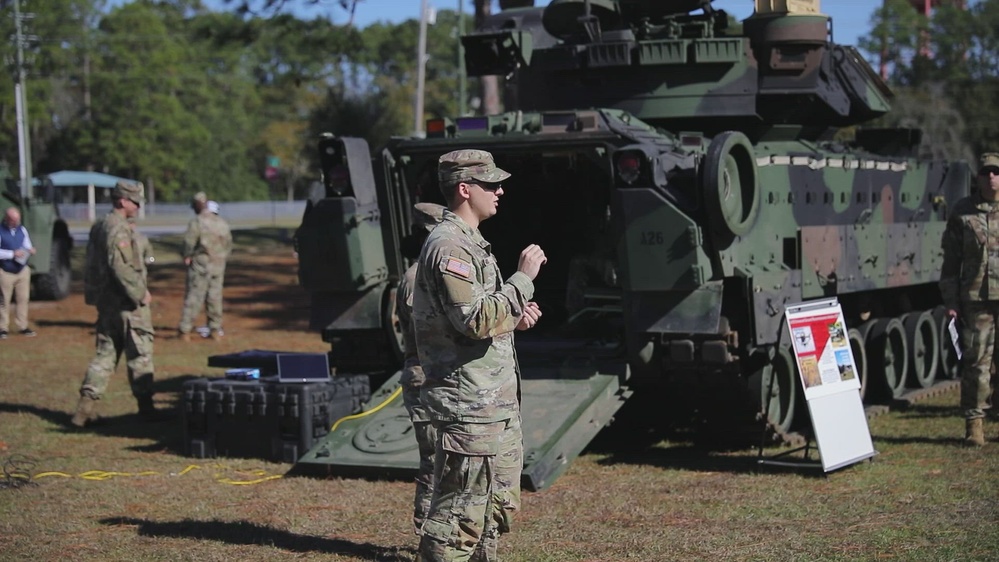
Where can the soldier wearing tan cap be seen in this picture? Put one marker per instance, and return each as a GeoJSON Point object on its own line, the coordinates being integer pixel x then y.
{"type": "Point", "coordinates": [115, 282]}
{"type": "Point", "coordinates": [969, 285]}
{"type": "Point", "coordinates": [464, 316]}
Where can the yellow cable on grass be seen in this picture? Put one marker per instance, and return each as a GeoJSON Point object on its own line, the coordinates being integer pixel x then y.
{"type": "Point", "coordinates": [384, 403]}
{"type": "Point", "coordinates": [107, 475]}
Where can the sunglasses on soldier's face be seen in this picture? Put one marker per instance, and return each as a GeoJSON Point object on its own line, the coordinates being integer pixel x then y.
{"type": "Point", "coordinates": [989, 170]}
{"type": "Point", "coordinates": [489, 186]}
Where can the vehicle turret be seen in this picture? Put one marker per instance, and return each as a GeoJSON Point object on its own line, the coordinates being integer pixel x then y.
{"type": "Point", "coordinates": [683, 65]}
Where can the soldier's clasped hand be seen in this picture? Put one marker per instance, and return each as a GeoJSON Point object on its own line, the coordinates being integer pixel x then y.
{"type": "Point", "coordinates": [532, 313]}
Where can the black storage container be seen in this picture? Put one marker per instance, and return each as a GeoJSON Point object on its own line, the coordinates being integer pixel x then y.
{"type": "Point", "coordinates": [264, 418]}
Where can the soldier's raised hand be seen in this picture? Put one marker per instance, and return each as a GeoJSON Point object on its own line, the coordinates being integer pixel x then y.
{"type": "Point", "coordinates": [531, 260]}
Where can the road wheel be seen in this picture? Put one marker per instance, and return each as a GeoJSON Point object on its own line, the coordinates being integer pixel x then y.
{"type": "Point", "coordinates": [924, 348]}
{"type": "Point", "coordinates": [777, 399]}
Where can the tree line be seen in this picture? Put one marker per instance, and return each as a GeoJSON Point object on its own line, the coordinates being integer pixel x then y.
{"type": "Point", "coordinates": [189, 99]}
{"type": "Point", "coordinates": [944, 70]}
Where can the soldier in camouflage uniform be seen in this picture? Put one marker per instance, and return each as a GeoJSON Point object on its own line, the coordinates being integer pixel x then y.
{"type": "Point", "coordinates": [425, 217]}
{"type": "Point", "coordinates": [115, 282]}
{"type": "Point", "coordinates": [207, 244]}
{"type": "Point", "coordinates": [969, 285]}
{"type": "Point", "coordinates": [464, 316]}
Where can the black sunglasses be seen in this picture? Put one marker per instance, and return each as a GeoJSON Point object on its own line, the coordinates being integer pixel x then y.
{"type": "Point", "coordinates": [984, 172]}
{"type": "Point", "coordinates": [489, 186]}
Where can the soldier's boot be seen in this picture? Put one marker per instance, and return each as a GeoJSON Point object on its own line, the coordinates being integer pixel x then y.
{"type": "Point", "coordinates": [974, 434]}
{"type": "Point", "coordinates": [184, 336]}
{"type": "Point", "coordinates": [216, 335]}
{"type": "Point", "coordinates": [85, 412]}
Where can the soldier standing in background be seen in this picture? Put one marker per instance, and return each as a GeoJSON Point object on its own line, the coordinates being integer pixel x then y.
{"type": "Point", "coordinates": [425, 217]}
{"type": "Point", "coordinates": [464, 316]}
{"type": "Point", "coordinates": [207, 244]}
{"type": "Point", "coordinates": [115, 282]}
{"type": "Point", "coordinates": [969, 285]}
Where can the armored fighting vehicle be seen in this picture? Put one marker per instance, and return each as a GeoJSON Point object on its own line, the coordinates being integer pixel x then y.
{"type": "Point", "coordinates": [50, 267]}
{"type": "Point", "coordinates": [683, 173]}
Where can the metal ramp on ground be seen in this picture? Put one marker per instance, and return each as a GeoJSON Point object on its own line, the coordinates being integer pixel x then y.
{"type": "Point", "coordinates": [563, 408]}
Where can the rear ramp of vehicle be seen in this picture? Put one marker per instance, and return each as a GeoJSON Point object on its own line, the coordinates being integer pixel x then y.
{"type": "Point", "coordinates": [564, 406]}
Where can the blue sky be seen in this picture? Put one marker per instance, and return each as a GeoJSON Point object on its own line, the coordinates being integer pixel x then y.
{"type": "Point", "coordinates": [851, 18]}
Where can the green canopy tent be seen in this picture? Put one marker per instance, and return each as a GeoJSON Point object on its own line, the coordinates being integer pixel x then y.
{"type": "Point", "coordinates": [92, 180]}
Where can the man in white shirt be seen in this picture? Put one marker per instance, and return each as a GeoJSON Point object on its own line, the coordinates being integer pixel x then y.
{"type": "Point", "coordinates": [15, 275]}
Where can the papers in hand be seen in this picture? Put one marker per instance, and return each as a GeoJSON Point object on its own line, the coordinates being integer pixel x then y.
{"type": "Point", "coordinates": [24, 258]}
{"type": "Point", "coordinates": [952, 328]}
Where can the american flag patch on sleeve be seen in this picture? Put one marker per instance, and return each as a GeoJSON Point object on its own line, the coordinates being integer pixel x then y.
{"type": "Point", "coordinates": [458, 267]}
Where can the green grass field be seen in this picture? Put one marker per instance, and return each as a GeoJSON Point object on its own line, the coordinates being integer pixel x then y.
{"type": "Point", "coordinates": [923, 497]}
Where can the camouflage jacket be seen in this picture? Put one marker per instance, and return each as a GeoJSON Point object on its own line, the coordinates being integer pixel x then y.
{"type": "Point", "coordinates": [208, 241]}
{"type": "Point", "coordinates": [114, 275]}
{"type": "Point", "coordinates": [970, 270]}
{"type": "Point", "coordinates": [464, 316]}
{"type": "Point", "coordinates": [412, 373]}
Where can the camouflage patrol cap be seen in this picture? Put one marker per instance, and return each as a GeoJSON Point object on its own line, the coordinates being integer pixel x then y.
{"type": "Point", "coordinates": [989, 159]}
{"type": "Point", "coordinates": [199, 197]}
{"type": "Point", "coordinates": [427, 215]}
{"type": "Point", "coordinates": [469, 164]}
{"type": "Point", "coordinates": [134, 192]}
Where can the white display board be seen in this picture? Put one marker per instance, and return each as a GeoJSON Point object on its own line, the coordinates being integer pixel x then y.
{"type": "Point", "coordinates": [831, 382]}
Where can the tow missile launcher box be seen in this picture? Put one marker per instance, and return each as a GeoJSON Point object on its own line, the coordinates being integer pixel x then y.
{"type": "Point", "coordinates": [264, 418]}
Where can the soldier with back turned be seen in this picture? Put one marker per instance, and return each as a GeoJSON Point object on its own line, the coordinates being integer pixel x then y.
{"type": "Point", "coordinates": [207, 244]}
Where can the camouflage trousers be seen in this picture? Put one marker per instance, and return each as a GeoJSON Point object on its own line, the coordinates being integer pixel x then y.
{"type": "Point", "coordinates": [204, 287]}
{"type": "Point", "coordinates": [477, 470]}
{"type": "Point", "coordinates": [426, 437]}
{"type": "Point", "coordinates": [978, 343]}
{"type": "Point", "coordinates": [120, 331]}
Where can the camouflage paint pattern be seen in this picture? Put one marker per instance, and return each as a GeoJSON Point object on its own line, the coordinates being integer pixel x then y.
{"type": "Point", "coordinates": [412, 380]}
{"type": "Point", "coordinates": [477, 470]}
{"type": "Point", "coordinates": [464, 317]}
{"type": "Point", "coordinates": [978, 343]}
{"type": "Point", "coordinates": [124, 324]}
{"type": "Point", "coordinates": [708, 148]}
{"type": "Point", "coordinates": [207, 243]}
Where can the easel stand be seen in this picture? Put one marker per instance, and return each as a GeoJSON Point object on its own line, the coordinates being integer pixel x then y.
{"type": "Point", "coordinates": [783, 458]}
{"type": "Point", "coordinates": [828, 379]}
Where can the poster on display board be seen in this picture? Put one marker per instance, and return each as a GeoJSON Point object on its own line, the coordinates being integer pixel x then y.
{"type": "Point", "coordinates": [829, 377]}
{"type": "Point", "coordinates": [822, 348]}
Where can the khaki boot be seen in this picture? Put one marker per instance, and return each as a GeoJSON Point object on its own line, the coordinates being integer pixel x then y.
{"type": "Point", "coordinates": [974, 435]}
{"type": "Point", "coordinates": [216, 335]}
{"type": "Point", "coordinates": [84, 412]}
{"type": "Point", "coordinates": [184, 337]}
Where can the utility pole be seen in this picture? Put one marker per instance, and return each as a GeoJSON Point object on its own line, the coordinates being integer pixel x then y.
{"type": "Point", "coordinates": [421, 69]}
{"type": "Point", "coordinates": [21, 103]}
{"type": "Point", "coordinates": [462, 79]}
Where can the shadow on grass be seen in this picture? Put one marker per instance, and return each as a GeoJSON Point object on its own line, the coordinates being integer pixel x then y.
{"type": "Point", "coordinates": [956, 441]}
{"type": "Point", "coordinates": [89, 325]}
{"type": "Point", "coordinates": [698, 459]}
{"type": "Point", "coordinates": [165, 431]}
{"type": "Point", "coordinates": [246, 533]}
{"type": "Point", "coordinates": [929, 411]}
